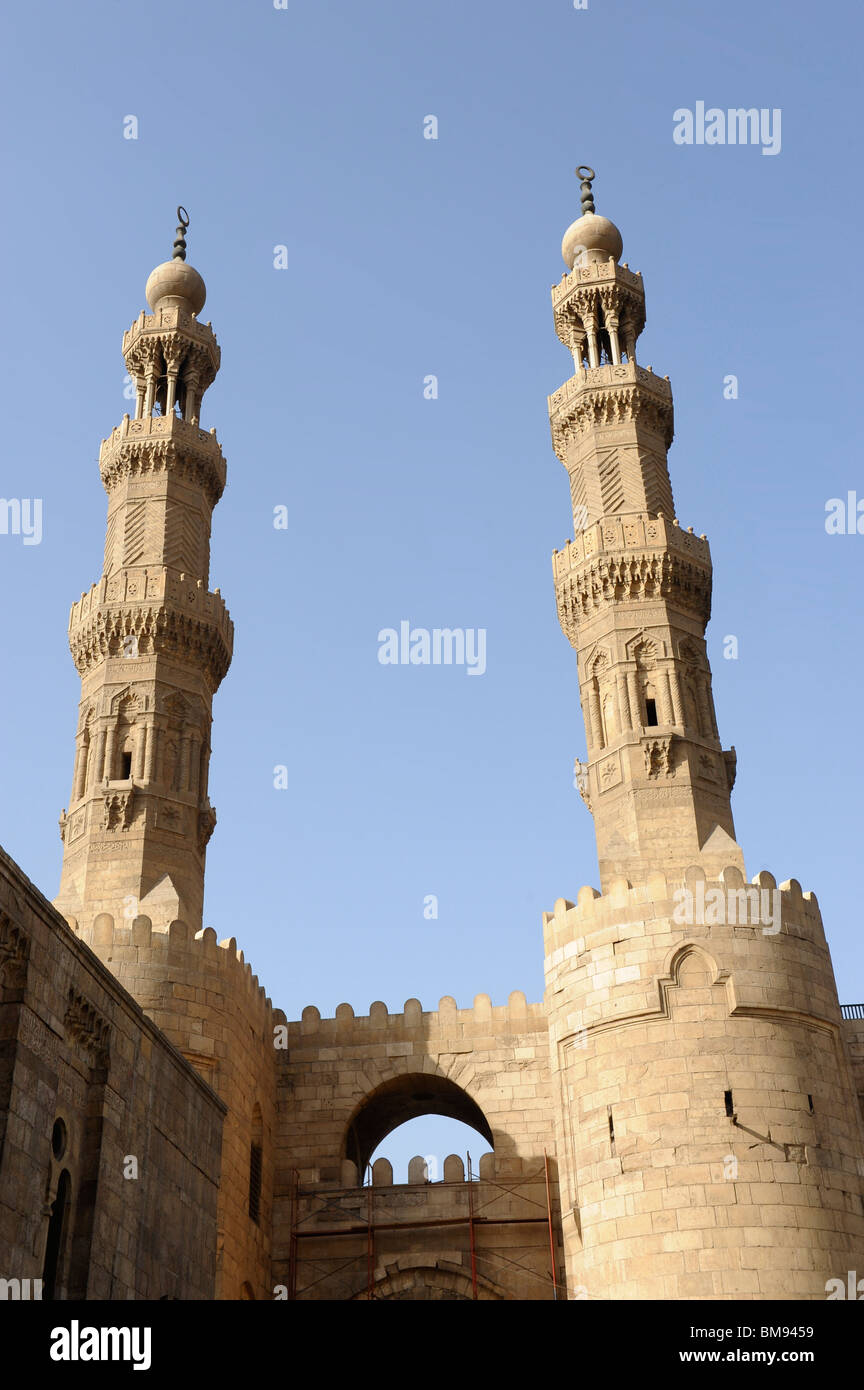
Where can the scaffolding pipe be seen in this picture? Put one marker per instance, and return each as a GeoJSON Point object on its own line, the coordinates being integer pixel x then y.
{"type": "Point", "coordinates": [551, 1234]}
{"type": "Point", "coordinates": [471, 1230]}
{"type": "Point", "coordinates": [370, 1240]}
{"type": "Point", "coordinates": [328, 1231]}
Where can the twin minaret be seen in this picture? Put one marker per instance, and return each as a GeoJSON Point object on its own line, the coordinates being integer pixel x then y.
{"type": "Point", "coordinates": [633, 588]}
{"type": "Point", "coordinates": [150, 642]}
{"type": "Point", "coordinates": [700, 1106]}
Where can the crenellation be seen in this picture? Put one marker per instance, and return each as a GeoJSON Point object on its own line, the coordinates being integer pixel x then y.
{"type": "Point", "coordinates": [679, 1118]}
{"type": "Point", "coordinates": [379, 1020]}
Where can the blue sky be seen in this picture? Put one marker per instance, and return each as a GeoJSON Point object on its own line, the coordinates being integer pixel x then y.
{"type": "Point", "coordinates": [303, 127]}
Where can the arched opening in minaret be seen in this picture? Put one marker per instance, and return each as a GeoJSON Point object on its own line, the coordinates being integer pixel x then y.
{"type": "Point", "coordinates": [651, 719]}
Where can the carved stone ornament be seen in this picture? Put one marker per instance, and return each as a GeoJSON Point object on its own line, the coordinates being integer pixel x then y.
{"type": "Point", "coordinates": [87, 1030]}
{"type": "Point", "coordinates": [14, 948]}
{"type": "Point", "coordinates": [119, 809]}
{"type": "Point", "coordinates": [658, 757]}
{"type": "Point", "coordinates": [206, 826]}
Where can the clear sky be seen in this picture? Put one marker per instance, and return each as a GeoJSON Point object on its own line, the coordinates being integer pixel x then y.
{"type": "Point", "coordinates": [303, 127]}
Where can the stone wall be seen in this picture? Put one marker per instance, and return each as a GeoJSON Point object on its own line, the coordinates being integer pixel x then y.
{"type": "Point", "coordinates": [346, 1082]}
{"type": "Point", "coordinates": [448, 1239]}
{"type": "Point", "coordinates": [206, 1000]}
{"type": "Point", "coordinates": [76, 1048]}
{"type": "Point", "coordinates": [853, 1032]}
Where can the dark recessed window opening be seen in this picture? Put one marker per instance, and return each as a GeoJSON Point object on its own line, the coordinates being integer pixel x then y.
{"type": "Point", "coordinates": [255, 1182]}
{"type": "Point", "coordinates": [611, 1128]}
{"type": "Point", "coordinates": [730, 1109]}
{"type": "Point", "coordinates": [58, 1139]}
{"type": "Point", "coordinates": [55, 1244]}
{"type": "Point", "coordinates": [651, 713]}
{"type": "Point", "coordinates": [812, 1106]}
{"type": "Point", "coordinates": [125, 766]}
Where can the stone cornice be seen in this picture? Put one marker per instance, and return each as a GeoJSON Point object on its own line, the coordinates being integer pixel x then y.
{"type": "Point", "coordinates": [173, 321]}
{"type": "Point", "coordinates": [629, 531]}
{"type": "Point", "coordinates": [596, 273]}
{"type": "Point", "coordinates": [158, 444]}
{"type": "Point", "coordinates": [167, 613]}
{"type": "Point", "coordinates": [630, 577]}
{"type": "Point", "coordinates": [610, 395]}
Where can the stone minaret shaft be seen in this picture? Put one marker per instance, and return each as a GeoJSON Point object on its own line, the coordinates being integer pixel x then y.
{"type": "Point", "coordinates": [150, 642]}
{"type": "Point", "coordinates": [633, 588]}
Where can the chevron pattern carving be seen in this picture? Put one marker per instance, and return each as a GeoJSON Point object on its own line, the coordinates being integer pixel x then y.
{"type": "Point", "coordinates": [134, 532]}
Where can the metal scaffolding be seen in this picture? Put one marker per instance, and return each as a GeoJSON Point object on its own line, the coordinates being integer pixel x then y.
{"type": "Point", "coordinates": [474, 1218]}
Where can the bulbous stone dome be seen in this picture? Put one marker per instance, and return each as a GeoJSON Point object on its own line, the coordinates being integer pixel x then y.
{"type": "Point", "coordinates": [175, 284]}
{"type": "Point", "coordinates": [597, 236]}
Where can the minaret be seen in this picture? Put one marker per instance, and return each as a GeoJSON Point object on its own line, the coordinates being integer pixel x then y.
{"type": "Point", "coordinates": [633, 587]}
{"type": "Point", "coordinates": [150, 642]}
{"type": "Point", "coordinates": [708, 1135]}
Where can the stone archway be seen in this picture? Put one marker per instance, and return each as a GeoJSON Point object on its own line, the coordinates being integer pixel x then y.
{"type": "Point", "coordinates": [438, 1282]}
{"type": "Point", "coordinates": [404, 1098]}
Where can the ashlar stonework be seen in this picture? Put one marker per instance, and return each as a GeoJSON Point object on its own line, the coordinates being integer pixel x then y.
{"type": "Point", "coordinates": [679, 1118]}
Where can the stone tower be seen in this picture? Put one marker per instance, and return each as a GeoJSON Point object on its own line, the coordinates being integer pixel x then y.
{"type": "Point", "coordinates": [633, 589]}
{"type": "Point", "coordinates": [150, 642]}
{"type": "Point", "coordinates": [708, 1131]}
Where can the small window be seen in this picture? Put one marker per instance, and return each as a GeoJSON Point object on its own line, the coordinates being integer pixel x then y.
{"type": "Point", "coordinates": [55, 1245]}
{"type": "Point", "coordinates": [651, 719]}
{"type": "Point", "coordinates": [58, 1139]}
{"type": "Point", "coordinates": [730, 1108]}
{"type": "Point", "coordinates": [255, 1182]}
{"type": "Point", "coordinates": [125, 766]}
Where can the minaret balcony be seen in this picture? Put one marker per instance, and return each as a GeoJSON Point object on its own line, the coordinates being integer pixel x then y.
{"type": "Point", "coordinates": [612, 394]}
{"type": "Point", "coordinates": [161, 427]}
{"type": "Point", "coordinates": [610, 374]}
{"type": "Point", "coordinates": [162, 441]}
{"type": "Point", "coordinates": [629, 559]}
{"type": "Point", "coordinates": [166, 612]}
{"type": "Point", "coordinates": [631, 531]}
